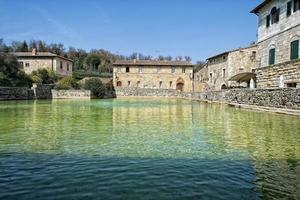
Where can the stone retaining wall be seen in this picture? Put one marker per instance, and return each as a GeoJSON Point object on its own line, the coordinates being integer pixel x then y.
{"type": "Point", "coordinates": [133, 91]}
{"type": "Point", "coordinates": [42, 91]}
{"type": "Point", "coordinates": [71, 94]}
{"type": "Point", "coordinates": [15, 93]}
{"type": "Point", "coordinates": [288, 98]}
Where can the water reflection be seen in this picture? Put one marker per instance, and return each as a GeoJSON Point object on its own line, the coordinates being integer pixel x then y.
{"type": "Point", "coordinates": [266, 146]}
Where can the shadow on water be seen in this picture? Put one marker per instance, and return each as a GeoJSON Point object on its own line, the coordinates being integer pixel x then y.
{"type": "Point", "coordinates": [42, 176]}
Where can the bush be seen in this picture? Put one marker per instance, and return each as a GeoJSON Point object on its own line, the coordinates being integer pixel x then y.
{"type": "Point", "coordinates": [83, 74]}
{"type": "Point", "coordinates": [67, 83]}
{"type": "Point", "coordinates": [44, 76]}
{"type": "Point", "coordinates": [96, 86]}
{"type": "Point", "coordinates": [23, 79]}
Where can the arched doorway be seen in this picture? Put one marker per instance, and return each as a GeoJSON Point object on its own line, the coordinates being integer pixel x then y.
{"type": "Point", "coordinates": [223, 87]}
{"type": "Point", "coordinates": [119, 84]}
{"type": "Point", "coordinates": [179, 84]}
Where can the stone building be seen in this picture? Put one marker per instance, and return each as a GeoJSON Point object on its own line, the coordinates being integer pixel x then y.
{"type": "Point", "coordinates": [227, 70]}
{"type": "Point", "coordinates": [150, 74]}
{"type": "Point", "coordinates": [31, 61]}
{"type": "Point", "coordinates": [278, 43]}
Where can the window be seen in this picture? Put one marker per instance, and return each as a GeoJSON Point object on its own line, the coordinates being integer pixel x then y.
{"type": "Point", "coordinates": [160, 84]}
{"type": "Point", "coordinates": [158, 69]}
{"type": "Point", "coordinates": [289, 9]}
{"type": "Point", "coordinates": [201, 78]}
{"type": "Point", "coordinates": [275, 12]}
{"type": "Point", "coordinates": [253, 57]}
{"type": "Point", "coordinates": [68, 67]}
{"type": "Point", "coordinates": [173, 70]}
{"type": "Point", "coordinates": [295, 50]}
{"type": "Point", "coordinates": [127, 69]}
{"type": "Point", "coordinates": [183, 70]}
{"type": "Point", "coordinates": [21, 64]}
{"type": "Point", "coordinates": [170, 84]}
{"type": "Point", "coordinates": [272, 56]}
{"type": "Point", "coordinates": [210, 77]}
{"type": "Point", "coordinates": [61, 64]}
{"type": "Point", "coordinates": [119, 84]}
{"type": "Point", "coordinates": [129, 83]}
{"type": "Point", "coordinates": [140, 69]}
{"type": "Point", "coordinates": [138, 83]}
{"type": "Point", "coordinates": [27, 64]}
{"type": "Point", "coordinates": [223, 73]}
{"type": "Point", "coordinates": [291, 85]}
{"type": "Point", "coordinates": [268, 21]}
{"type": "Point", "coordinates": [296, 5]}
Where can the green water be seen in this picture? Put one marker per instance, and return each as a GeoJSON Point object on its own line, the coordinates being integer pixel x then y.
{"type": "Point", "coordinates": [146, 149]}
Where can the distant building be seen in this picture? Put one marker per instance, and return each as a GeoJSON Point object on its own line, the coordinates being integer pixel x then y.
{"type": "Point", "coordinates": [278, 43]}
{"type": "Point", "coordinates": [175, 75]}
{"type": "Point", "coordinates": [31, 61]}
{"type": "Point", "coordinates": [227, 70]}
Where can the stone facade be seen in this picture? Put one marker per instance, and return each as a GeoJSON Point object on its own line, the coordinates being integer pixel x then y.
{"type": "Point", "coordinates": [221, 68]}
{"type": "Point", "coordinates": [281, 75]}
{"type": "Point", "coordinates": [174, 75]}
{"type": "Point", "coordinates": [44, 60]}
{"type": "Point", "coordinates": [71, 94]}
{"type": "Point", "coordinates": [279, 26]}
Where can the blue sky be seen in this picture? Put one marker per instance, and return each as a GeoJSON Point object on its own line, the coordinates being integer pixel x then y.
{"type": "Point", "coordinates": [197, 28]}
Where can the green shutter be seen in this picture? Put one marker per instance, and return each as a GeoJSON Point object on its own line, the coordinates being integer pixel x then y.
{"type": "Point", "coordinates": [289, 8]}
{"type": "Point", "coordinates": [272, 56]}
{"type": "Point", "coordinates": [268, 20]}
{"type": "Point", "coordinates": [295, 50]}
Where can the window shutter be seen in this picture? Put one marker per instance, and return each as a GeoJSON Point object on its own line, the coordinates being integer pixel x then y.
{"type": "Point", "coordinates": [277, 15]}
{"type": "Point", "coordinates": [272, 56]}
{"type": "Point", "coordinates": [289, 8]}
{"type": "Point", "coordinates": [268, 20]}
{"type": "Point", "coordinates": [295, 50]}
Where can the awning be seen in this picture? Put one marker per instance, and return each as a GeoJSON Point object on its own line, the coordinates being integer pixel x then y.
{"type": "Point", "coordinates": [243, 77]}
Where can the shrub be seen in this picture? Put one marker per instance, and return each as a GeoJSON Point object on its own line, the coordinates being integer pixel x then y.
{"type": "Point", "coordinates": [43, 76]}
{"type": "Point", "coordinates": [67, 83]}
{"type": "Point", "coordinates": [96, 86]}
{"type": "Point", "coordinates": [36, 79]}
{"type": "Point", "coordinates": [23, 79]}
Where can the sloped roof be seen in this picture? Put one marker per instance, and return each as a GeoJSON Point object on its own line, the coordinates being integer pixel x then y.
{"type": "Point", "coordinates": [227, 52]}
{"type": "Point", "coordinates": [257, 8]}
{"type": "Point", "coordinates": [39, 55]}
{"type": "Point", "coordinates": [152, 63]}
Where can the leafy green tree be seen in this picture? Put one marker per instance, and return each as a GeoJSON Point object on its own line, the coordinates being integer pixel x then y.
{"type": "Point", "coordinates": [97, 88]}
{"type": "Point", "coordinates": [92, 61]}
{"type": "Point", "coordinates": [67, 83]}
{"type": "Point", "coordinates": [24, 47]}
{"type": "Point", "coordinates": [42, 47]}
{"type": "Point", "coordinates": [44, 76]}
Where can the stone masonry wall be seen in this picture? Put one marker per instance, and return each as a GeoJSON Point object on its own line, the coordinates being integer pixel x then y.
{"type": "Point", "coordinates": [269, 77]}
{"type": "Point", "coordinates": [278, 98]}
{"type": "Point", "coordinates": [71, 94]}
{"type": "Point", "coordinates": [42, 91]}
{"type": "Point", "coordinates": [144, 92]}
{"type": "Point", "coordinates": [15, 93]}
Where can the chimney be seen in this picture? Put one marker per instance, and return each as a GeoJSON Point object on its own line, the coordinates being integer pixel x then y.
{"type": "Point", "coordinates": [34, 51]}
{"type": "Point", "coordinates": [134, 61]}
